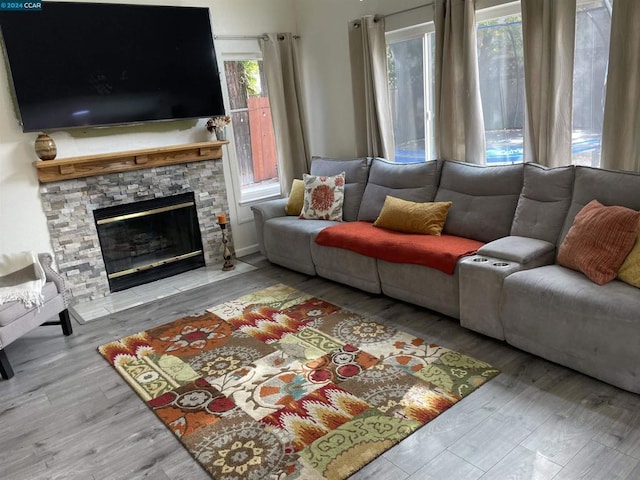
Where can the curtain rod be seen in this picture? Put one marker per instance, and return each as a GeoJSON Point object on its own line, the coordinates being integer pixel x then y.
{"type": "Point", "coordinates": [380, 17]}
{"type": "Point", "coordinates": [428, 4]}
{"type": "Point", "coordinates": [247, 37]}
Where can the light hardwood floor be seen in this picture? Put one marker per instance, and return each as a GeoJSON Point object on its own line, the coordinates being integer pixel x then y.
{"type": "Point", "coordinates": [68, 415]}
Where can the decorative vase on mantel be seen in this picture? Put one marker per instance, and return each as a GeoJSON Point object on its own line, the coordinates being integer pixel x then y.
{"type": "Point", "coordinates": [45, 147]}
{"type": "Point", "coordinates": [221, 134]}
{"type": "Point", "coordinates": [217, 124]}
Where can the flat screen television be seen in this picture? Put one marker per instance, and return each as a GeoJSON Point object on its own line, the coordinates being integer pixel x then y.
{"type": "Point", "coordinates": [94, 64]}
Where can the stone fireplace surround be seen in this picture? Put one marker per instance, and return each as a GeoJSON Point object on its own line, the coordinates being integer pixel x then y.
{"type": "Point", "coordinates": [69, 206]}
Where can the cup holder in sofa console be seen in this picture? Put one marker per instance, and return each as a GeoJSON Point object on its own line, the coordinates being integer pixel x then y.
{"type": "Point", "coordinates": [500, 264]}
{"type": "Point", "coordinates": [480, 259]}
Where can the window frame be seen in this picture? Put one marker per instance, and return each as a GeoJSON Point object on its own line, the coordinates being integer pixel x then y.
{"type": "Point", "coordinates": [498, 11]}
{"type": "Point", "coordinates": [411, 33]}
{"type": "Point", "coordinates": [246, 196]}
{"type": "Point", "coordinates": [493, 12]}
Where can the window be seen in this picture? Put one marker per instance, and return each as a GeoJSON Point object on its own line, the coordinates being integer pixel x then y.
{"type": "Point", "coordinates": [410, 63]}
{"type": "Point", "coordinates": [501, 77]}
{"type": "Point", "coordinates": [253, 135]}
{"type": "Point", "coordinates": [593, 28]}
{"type": "Point", "coordinates": [410, 55]}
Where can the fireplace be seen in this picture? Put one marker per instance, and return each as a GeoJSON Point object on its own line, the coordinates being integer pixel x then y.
{"type": "Point", "coordinates": [73, 189]}
{"type": "Point", "coordinates": [149, 240]}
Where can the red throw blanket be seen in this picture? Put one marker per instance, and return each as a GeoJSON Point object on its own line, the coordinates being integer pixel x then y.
{"type": "Point", "coordinates": [439, 252]}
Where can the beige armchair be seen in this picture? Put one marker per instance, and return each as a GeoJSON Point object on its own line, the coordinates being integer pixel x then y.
{"type": "Point", "coordinates": [16, 319]}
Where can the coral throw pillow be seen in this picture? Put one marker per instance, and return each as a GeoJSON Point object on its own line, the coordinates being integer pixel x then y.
{"type": "Point", "coordinates": [630, 270]}
{"type": "Point", "coordinates": [599, 241]}
{"type": "Point", "coordinates": [412, 217]}
{"type": "Point", "coordinates": [296, 198]}
{"type": "Point", "coordinates": [323, 197]}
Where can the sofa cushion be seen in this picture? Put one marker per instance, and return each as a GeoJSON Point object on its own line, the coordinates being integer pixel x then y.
{"type": "Point", "coordinates": [287, 242]}
{"type": "Point", "coordinates": [560, 315]}
{"type": "Point", "coordinates": [543, 203]}
{"type": "Point", "coordinates": [356, 173]}
{"type": "Point", "coordinates": [296, 198]}
{"type": "Point", "coordinates": [323, 197]}
{"type": "Point", "coordinates": [412, 217]}
{"type": "Point", "coordinates": [439, 252]}
{"type": "Point", "coordinates": [484, 199]}
{"type": "Point", "coordinates": [415, 182]}
{"type": "Point", "coordinates": [607, 186]}
{"type": "Point", "coordinates": [599, 241]}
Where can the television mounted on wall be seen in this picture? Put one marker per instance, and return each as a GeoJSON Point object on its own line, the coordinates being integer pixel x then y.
{"type": "Point", "coordinates": [77, 64]}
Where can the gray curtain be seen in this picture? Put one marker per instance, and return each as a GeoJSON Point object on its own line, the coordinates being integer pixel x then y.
{"type": "Point", "coordinates": [548, 30]}
{"type": "Point", "coordinates": [279, 54]}
{"type": "Point", "coordinates": [459, 125]}
{"type": "Point", "coordinates": [374, 124]}
{"type": "Point", "coordinates": [380, 141]}
{"type": "Point", "coordinates": [621, 129]}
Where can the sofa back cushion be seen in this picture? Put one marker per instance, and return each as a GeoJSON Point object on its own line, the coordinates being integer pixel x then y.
{"type": "Point", "coordinates": [483, 199]}
{"type": "Point", "coordinates": [607, 186]}
{"type": "Point", "coordinates": [414, 182]}
{"type": "Point", "coordinates": [544, 202]}
{"type": "Point", "coordinates": [356, 174]}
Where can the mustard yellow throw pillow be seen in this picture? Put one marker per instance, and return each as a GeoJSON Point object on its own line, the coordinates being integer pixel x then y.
{"type": "Point", "coordinates": [411, 217]}
{"type": "Point", "coordinates": [296, 198]}
{"type": "Point", "coordinates": [630, 270]}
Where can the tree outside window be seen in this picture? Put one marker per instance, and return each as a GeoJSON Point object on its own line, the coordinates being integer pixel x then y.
{"type": "Point", "coordinates": [252, 127]}
{"type": "Point", "coordinates": [501, 77]}
{"type": "Point", "coordinates": [410, 63]}
{"type": "Point", "coordinates": [591, 59]}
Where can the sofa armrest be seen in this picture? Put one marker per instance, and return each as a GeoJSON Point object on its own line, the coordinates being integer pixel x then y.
{"type": "Point", "coordinates": [522, 250]}
{"type": "Point", "coordinates": [265, 211]}
{"type": "Point", "coordinates": [270, 209]}
{"type": "Point", "coordinates": [481, 277]}
{"type": "Point", "coordinates": [46, 260]}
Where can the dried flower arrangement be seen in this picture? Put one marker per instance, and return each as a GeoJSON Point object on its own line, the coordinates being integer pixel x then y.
{"type": "Point", "coordinates": [218, 122]}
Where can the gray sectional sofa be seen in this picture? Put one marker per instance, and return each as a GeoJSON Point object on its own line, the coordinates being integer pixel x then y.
{"type": "Point", "coordinates": [512, 289]}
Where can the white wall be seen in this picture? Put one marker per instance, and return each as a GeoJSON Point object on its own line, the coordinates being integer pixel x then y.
{"type": "Point", "coordinates": [22, 221]}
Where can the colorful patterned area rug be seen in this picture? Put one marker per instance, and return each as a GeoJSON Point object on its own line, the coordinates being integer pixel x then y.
{"type": "Point", "coordinates": [281, 385]}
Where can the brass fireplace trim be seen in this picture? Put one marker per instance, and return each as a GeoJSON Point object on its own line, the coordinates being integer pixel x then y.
{"type": "Point", "coordinates": [144, 213]}
{"type": "Point", "coordinates": [149, 266]}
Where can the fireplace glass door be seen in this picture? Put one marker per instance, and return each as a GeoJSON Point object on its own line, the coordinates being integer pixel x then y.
{"type": "Point", "coordinates": [149, 240]}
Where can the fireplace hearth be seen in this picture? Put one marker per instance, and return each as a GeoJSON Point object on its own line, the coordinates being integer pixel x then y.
{"type": "Point", "coordinates": [149, 240]}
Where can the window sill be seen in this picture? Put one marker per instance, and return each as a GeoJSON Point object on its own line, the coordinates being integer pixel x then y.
{"type": "Point", "coordinates": [259, 193]}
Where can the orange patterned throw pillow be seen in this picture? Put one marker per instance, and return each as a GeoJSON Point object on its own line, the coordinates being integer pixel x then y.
{"type": "Point", "coordinates": [599, 240]}
{"type": "Point", "coordinates": [323, 197]}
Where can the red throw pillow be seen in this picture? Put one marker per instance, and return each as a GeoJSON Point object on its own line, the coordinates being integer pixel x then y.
{"type": "Point", "coordinates": [599, 240]}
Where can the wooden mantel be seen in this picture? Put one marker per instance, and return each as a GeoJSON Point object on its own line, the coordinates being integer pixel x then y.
{"type": "Point", "coordinates": [91, 165]}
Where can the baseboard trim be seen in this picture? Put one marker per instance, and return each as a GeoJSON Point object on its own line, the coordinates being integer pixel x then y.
{"type": "Point", "coordinates": [241, 252]}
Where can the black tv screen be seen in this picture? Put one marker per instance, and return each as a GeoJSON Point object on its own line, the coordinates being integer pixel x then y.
{"type": "Point", "coordinates": [93, 64]}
